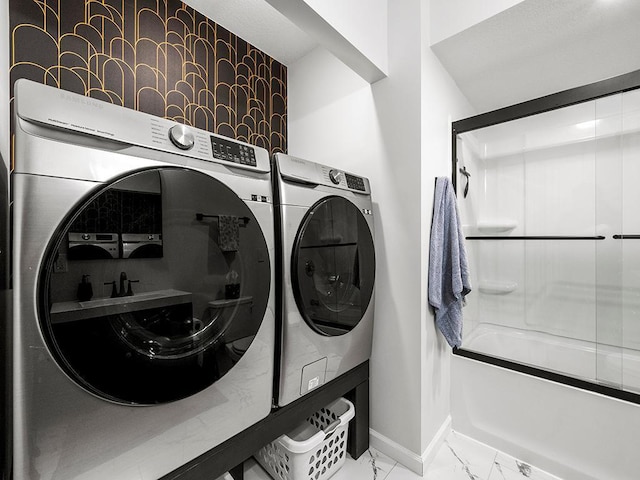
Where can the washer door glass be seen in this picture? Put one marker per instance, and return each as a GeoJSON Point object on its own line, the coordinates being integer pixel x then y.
{"type": "Point", "coordinates": [149, 329]}
{"type": "Point", "coordinates": [333, 266]}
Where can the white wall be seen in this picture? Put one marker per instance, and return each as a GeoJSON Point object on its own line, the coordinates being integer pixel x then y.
{"type": "Point", "coordinates": [441, 103]}
{"type": "Point", "coordinates": [395, 132]}
{"type": "Point", "coordinates": [449, 17]}
{"type": "Point", "coordinates": [396, 366]}
{"type": "Point", "coordinates": [362, 22]}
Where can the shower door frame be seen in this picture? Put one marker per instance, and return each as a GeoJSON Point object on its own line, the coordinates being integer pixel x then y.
{"type": "Point", "coordinates": [611, 86]}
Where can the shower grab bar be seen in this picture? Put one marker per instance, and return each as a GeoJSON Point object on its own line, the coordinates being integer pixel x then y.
{"type": "Point", "coordinates": [623, 236]}
{"type": "Point", "coordinates": [535, 237]}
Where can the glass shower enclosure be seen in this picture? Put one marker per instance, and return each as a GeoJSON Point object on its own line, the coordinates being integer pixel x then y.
{"type": "Point", "coordinates": [549, 197]}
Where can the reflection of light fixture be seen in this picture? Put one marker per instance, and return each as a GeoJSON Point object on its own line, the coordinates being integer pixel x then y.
{"type": "Point", "coordinates": [588, 124]}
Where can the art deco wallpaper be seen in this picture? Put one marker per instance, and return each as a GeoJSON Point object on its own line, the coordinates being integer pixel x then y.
{"type": "Point", "coordinates": [156, 56]}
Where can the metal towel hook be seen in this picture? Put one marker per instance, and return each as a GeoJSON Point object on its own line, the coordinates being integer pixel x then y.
{"type": "Point", "coordinates": [464, 172]}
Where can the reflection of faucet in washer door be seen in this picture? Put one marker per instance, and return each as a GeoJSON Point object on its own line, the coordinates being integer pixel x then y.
{"type": "Point", "coordinates": [122, 292]}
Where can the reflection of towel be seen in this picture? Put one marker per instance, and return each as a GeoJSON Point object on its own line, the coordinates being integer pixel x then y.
{"type": "Point", "coordinates": [228, 233]}
{"type": "Point", "coordinates": [448, 270]}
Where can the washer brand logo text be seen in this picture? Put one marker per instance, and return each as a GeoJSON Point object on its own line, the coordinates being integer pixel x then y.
{"type": "Point", "coordinates": [68, 97]}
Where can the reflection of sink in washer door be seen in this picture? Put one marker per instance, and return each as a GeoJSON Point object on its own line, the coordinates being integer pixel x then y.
{"type": "Point", "coordinates": [72, 311]}
{"type": "Point", "coordinates": [135, 384]}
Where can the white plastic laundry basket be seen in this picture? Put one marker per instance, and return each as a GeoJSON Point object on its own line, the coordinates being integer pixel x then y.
{"type": "Point", "coordinates": [314, 450]}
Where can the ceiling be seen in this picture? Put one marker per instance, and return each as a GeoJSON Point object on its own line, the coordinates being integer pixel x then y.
{"type": "Point", "coordinates": [539, 47]}
{"type": "Point", "coordinates": [534, 48]}
{"type": "Point", "coordinates": [260, 24]}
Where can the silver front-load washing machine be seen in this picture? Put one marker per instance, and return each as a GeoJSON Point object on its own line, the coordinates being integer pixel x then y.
{"type": "Point", "coordinates": [128, 366]}
{"type": "Point", "coordinates": [326, 267]}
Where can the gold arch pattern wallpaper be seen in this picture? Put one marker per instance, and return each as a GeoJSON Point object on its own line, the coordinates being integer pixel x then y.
{"type": "Point", "coordinates": [156, 56]}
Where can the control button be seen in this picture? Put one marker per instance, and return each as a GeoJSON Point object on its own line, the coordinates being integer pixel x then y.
{"type": "Point", "coordinates": [181, 137]}
{"type": "Point", "coordinates": [356, 183]}
{"type": "Point", "coordinates": [335, 176]}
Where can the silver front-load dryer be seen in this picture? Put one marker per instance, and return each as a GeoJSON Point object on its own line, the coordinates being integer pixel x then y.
{"type": "Point", "coordinates": [326, 268]}
{"type": "Point", "coordinates": [127, 368]}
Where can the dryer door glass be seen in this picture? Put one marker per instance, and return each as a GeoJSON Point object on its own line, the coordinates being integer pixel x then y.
{"type": "Point", "coordinates": [333, 266]}
{"type": "Point", "coordinates": [150, 329]}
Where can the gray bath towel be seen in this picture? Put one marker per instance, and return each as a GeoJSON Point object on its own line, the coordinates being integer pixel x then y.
{"type": "Point", "coordinates": [448, 270]}
{"type": "Point", "coordinates": [228, 233]}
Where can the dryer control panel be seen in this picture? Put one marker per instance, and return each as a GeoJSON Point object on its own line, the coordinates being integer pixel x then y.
{"type": "Point", "coordinates": [302, 171]}
{"type": "Point", "coordinates": [356, 183]}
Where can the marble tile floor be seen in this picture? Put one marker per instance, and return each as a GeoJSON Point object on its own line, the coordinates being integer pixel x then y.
{"type": "Point", "coordinates": [459, 458]}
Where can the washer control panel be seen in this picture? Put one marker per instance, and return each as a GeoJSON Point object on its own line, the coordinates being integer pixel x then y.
{"type": "Point", "coordinates": [74, 112]}
{"type": "Point", "coordinates": [232, 151]}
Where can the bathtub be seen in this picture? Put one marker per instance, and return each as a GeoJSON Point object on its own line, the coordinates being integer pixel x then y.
{"type": "Point", "coordinates": [573, 433]}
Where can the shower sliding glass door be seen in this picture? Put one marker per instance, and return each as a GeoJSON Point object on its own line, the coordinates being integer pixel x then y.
{"type": "Point", "coordinates": [552, 222]}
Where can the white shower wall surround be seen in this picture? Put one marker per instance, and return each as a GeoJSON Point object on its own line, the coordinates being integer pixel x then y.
{"type": "Point", "coordinates": [569, 172]}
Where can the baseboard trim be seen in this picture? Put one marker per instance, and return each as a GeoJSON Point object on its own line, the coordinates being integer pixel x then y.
{"type": "Point", "coordinates": [436, 442]}
{"type": "Point", "coordinates": [396, 451]}
{"type": "Point", "coordinates": [414, 462]}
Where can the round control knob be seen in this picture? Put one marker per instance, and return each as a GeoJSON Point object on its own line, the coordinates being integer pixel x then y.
{"type": "Point", "coordinates": [181, 137]}
{"type": "Point", "coordinates": [335, 176]}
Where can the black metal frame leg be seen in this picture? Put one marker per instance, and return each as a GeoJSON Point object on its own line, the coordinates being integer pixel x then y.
{"type": "Point", "coordinates": [358, 439]}
{"type": "Point", "coordinates": [237, 472]}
